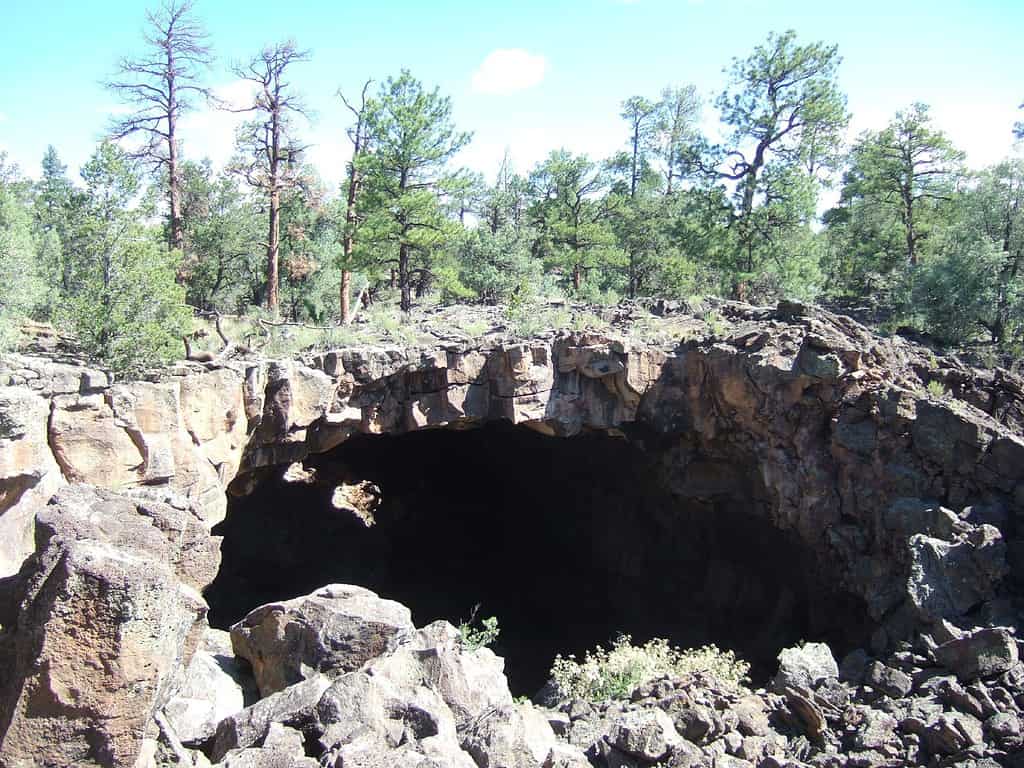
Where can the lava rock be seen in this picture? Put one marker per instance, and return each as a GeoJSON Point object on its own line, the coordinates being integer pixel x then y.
{"type": "Point", "coordinates": [110, 612]}
{"type": "Point", "coordinates": [889, 681]}
{"type": "Point", "coordinates": [510, 737]}
{"type": "Point", "coordinates": [876, 729]}
{"type": "Point", "coordinates": [214, 686]}
{"type": "Point", "coordinates": [952, 732]}
{"type": "Point", "coordinates": [647, 734]}
{"type": "Point", "coordinates": [983, 653]}
{"type": "Point", "coordinates": [333, 630]}
{"type": "Point", "coordinates": [804, 666]}
{"type": "Point", "coordinates": [947, 579]}
{"type": "Point", "coordinates": [565, 756]}
{"type": "Point", "coordinates": [294, 706]}
{"type": "Point", "coordinates": [259, 757]}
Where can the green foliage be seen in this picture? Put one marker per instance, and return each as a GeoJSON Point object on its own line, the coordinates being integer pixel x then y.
{"type": "Point", "coordinates": [412, 139]}
{"type": "Point", "coordinates": [135, 319]}
{"type": "Point", "coordinates": [956, 287]}
{"type": "Point", "coordinates": [787, 116]}
{"type": "Point", "coordinates": [125, 306]}
{"type": "Point", "coordinates": [497, 266]}
{"type": "Point", "coordinates": [907, 172]}
{"type": "Point", "coordinates": [23, 288]}
{"type": "Point", "coordinates": [615, 672]}
{"type": "Point", "coordinates": [482, 636]}
{"type": "Point", "coordinates": [223, 265]}
{"type": "Point", "coordinates": [937, 389]}
{"type": "Point", "coordinates": [574, 235]}
{"type": "Point", "coordinates": [715, 322]}
{"type": "Point", "coordinates": [913, 236]}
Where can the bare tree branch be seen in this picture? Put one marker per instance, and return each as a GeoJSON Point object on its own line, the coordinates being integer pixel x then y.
{"type": "Point", "coordinates": [159, 83]}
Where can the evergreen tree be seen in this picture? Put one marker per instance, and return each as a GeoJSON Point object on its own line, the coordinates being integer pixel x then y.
{"type": "Point", "coordinates": [23, 288]}
{"type": "Point", "coordinates": [784, 107]}
{"type": "Point", "coordinates": [126, 308]}
{"type": "Point", "coordinates": [412, 139]}
{"type": "Point", "coordinates": [572, 219]}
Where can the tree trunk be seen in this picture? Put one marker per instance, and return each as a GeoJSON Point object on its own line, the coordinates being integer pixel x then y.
{"type": "Point", "coordinates": [274, 235]}
{"type": "Point", "coordinates": [348, 243]}
{"type": "Point", "coordinates": [273, 246]}
{"type": "Point", "coordinates": [907, 193]}
{"type": "Point", "coordinates": [1009, 272]}
{"type": "Point", "coordinates": [346, 291]}
{"type": "Point", "coordinates": [636, 149]}
{"type": "Point", "coordinates": [403, 276]}
{"type": "Point", "coordinates": [177, 239]}
{"type": "Point", "coordinates": [577, 276]}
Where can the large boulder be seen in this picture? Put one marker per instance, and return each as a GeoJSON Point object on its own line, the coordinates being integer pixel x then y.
{"type": "Point", "coordinates": [510, 737]}
{"type": "Point", "coordinates": [948, 579]}
{"type": "Point", "coordinates": [333, 630]}
{"type": "Point", "coordinates": [369, 720]}
{"type": "Point", "coordinates": [471, 683]}
{"type": "Point", "coordinates": [982, 653]}
{"type": "Point", "coordinates": [29, 475]}
{"type": "Point", "coordinates": [110, 611]}
{"type": "Point", "coordinates": [282, 747]}
{"type": "Point", "coordinates": [430, 697]}
{"type": "Point", "coordinates": [646, 734]}
{"type": "Point", "coordinates": [214, 686]}
{"type": "Point", "coordinates": [804, 666]}
{"type": "Point", "coordinates": [295, 707]}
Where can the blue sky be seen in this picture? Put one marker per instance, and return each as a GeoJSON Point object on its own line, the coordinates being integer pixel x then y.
{"type": "Point", "coordinates": [572, 63]}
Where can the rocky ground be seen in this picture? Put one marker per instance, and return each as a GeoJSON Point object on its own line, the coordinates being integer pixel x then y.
{"type": "Point", "coordinates": [345, 680]}
{"type": "Point", "coordinates": [900, 471]}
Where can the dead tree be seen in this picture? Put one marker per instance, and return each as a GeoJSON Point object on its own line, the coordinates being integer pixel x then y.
{"type": "Point", "coordinates": [270, 158]}
{"type": "Point", "coordinates": [196, 357]}
{"type": "Point", "coordinates": [160, 86]}
{"type": "Point", "coordinates": [358, 136]}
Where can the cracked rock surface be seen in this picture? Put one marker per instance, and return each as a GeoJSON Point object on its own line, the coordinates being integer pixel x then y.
{"type": "Point", "coordinates": [109, 489]}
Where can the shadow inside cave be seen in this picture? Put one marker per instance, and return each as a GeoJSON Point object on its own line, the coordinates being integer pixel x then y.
{"type": "Point", "coordinates": [568, 541]}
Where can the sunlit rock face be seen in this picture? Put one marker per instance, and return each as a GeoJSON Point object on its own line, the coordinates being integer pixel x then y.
{"type": "Point", "coordinates": [788, 476]}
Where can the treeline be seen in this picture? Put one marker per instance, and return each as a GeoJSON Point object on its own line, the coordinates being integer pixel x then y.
{"type": "Point", "coordinates": [123, 256]}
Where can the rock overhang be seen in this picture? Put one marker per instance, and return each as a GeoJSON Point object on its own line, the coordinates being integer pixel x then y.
{"type": "Point", "coordinates": [847, 442]}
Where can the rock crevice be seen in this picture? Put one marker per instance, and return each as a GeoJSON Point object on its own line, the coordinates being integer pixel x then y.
{"type": "Point", "coordinates": [909, 501]}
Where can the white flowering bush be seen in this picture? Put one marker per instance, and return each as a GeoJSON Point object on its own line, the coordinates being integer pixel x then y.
{"type": "Point", "coordinates": [613, 673]}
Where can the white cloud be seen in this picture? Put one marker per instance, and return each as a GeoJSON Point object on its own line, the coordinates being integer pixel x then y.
{"type": "Point", "coordinates": [509, 69]}
{"type": "Point", "coordinates": [209, 131]}
{"type": "Point", "coordinates": [3, 117]}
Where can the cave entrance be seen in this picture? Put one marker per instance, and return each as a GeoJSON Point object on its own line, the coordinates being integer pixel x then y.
{"type": "Point", "coordinates": [568, 541]}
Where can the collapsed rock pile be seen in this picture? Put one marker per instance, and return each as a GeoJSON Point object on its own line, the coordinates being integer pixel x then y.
{"type": "Point", "coordinates": [359, 686]}
{"type": "Point", "coordinates": [924, 705]}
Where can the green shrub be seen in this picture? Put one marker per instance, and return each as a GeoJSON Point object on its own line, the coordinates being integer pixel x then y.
{"type": "Point", "coordinates": [133, 319]}
{"type": "Point", "coordinates": [715, 322]}
{"type": "Point", "coordinates": [498, 267]}
{"type": "Point", "coordinates": [479, 637]}
{"type": "Point", "coordinates": [937, 389]}
{"type": "Point", "coordinates": [614, 673]}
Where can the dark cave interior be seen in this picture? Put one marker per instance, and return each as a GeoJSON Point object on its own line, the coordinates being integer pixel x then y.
{"type": "Point", "coordinates": [568, 541]}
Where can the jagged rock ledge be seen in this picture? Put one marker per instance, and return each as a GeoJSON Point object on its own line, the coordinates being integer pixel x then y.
{"type": "Point", "coordinates": [913, 502]}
